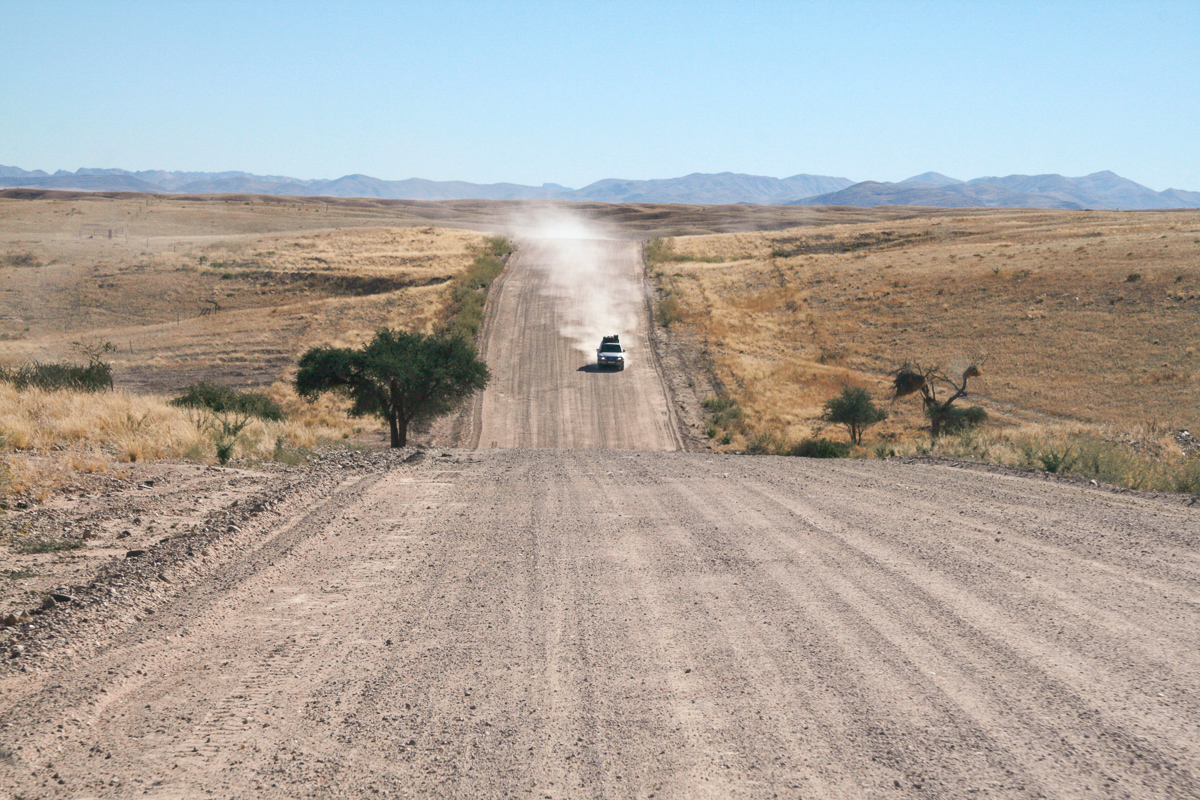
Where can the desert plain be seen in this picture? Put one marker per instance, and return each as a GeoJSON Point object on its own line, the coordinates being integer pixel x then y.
{"type": "Point", "coordinates": [579, 586]}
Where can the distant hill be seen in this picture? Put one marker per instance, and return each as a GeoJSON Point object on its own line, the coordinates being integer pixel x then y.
{"type": "Point", "coordinates": [700, 188]}
{"type": "Point", "coordinates": [961, 195]}
{"type": "Point", "coordinates": [17, 172]}
{"type": "Point", "coordinates": [240, 185]}
{"type": "Point", "coordinates": [1098, 190]}
{"type": "Point", "coordinates": [933, 179]}
{"type": "Point", "coordinates": [1182, 199]}
{"type": "Point", "coordinates": [87, 183]}
{"type": "Point", "coordinates": [421, 189]}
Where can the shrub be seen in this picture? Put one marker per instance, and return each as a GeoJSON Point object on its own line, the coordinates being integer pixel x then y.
{"type": "Point", "coordinates": [222, 399]}
{"type": "Point", "coordinates": [765, 444]}
{"type": "Point", "coordinates": [1187, 478]}
{"type": "Point", "coordinates": [854, 409]}
{"type": "Point", "coordinates": [670, 310]}
{"type": "Point", "coordinates": [957, 420]}
{"type": "Point", "coordinates": [820, 448]}
{"type": "Point", "coordinates": [725, 411]}
{"type": "Point", "coordinates": [659, 250]}
{"type": "Point", "coordinates": [498, 246]}
{"type": "Point", "coordinates": [1054, 459]}
{"type": "Point", "coordinates": [58, 376]}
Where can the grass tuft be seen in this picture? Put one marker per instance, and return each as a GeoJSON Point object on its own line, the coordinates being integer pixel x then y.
{"type": "Point", "coordinates": [31, 546]}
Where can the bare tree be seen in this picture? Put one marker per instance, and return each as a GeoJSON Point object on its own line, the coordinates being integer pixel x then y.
{"type": "Point", "coordinates": [913, 377]}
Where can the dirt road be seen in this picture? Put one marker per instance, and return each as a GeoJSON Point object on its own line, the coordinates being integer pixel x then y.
{"type": "Point", "coordinates": [562, 623]}
{"type": "Point", "coordinates": [555, 301]}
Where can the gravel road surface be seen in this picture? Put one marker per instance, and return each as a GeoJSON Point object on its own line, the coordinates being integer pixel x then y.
{"type": "Point", "coordinates": [581, 623]}
{"type": "Point", "coordinates": [546, 391]}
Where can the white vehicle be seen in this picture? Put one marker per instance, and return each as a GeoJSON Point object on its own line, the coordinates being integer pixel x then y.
{"type": "Point", "coordinates": [610, 353]}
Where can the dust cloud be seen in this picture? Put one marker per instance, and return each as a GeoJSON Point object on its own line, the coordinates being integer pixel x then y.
{"type": "Point", "coordinates": [593, 293]}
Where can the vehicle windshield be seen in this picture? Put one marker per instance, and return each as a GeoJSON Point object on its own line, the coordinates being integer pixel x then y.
{"type": "Point", "coordinates": [610, 348]}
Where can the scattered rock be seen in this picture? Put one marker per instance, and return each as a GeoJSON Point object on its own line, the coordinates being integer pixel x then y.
{"type": "Point", "coordinates": [62, 597]}
{"type": "Point", "coordinates": [124, 535]}
{"type": "Point", "coordinates": [17, 651]}
{"type": "Point", "coordinates": [135, 553]}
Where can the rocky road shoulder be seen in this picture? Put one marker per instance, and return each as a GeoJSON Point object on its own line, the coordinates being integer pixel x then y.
{"type": "Point", "coordinates": [112, 549]}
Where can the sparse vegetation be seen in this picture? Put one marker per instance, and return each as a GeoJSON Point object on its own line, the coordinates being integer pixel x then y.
{"type": "Point", "coordinates": [21, 260]}
{"type": "Point", "coordinates": [791, 316]}
{"type": "Point", "coordinates": [726, 417]}
{"type": "Point", "coordinates": [820, 448]}
{"type": "Point", "coordinates": [669, 310]}
{"type": "Point", "coordinates": [17, 574]}
{"type": "Point", "coordinates": [464, 314]}
{"type": "Point", "coordinates": [766, 443]}
{"type": "Point", "coordinates": [29, 546]}
{"type": "Point", "coordinates": [45, 437]}
{"type": "Point", "coordinates": [95, 376]}
{"type": "Point", "coordinates": [662, 251]}
{"type": "Point", "coordinates": [294, 282]}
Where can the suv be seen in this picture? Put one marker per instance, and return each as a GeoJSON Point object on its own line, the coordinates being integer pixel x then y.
{"type": "Point", "coordinates": [610, 354]}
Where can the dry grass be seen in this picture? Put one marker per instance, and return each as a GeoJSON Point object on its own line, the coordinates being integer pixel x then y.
{"type": "Point", "coordinates": [225, 291]}
{"type": "Point", "coordinates": [231, 292]}
{"type": "Point", "coordinates": [1046, 296]}
{"type": "Point", "coordinates": [45, 437]}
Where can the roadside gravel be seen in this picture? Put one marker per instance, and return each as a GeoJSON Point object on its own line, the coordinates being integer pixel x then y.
{"type": "Point", "coordinates": [619, 624]}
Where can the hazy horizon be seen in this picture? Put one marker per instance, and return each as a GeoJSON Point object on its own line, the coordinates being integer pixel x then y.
{"type": "Point", "coordinates": [534, 93]}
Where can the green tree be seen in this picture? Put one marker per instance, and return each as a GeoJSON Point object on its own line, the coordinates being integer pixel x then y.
{"type": "Point", "coordinates": [855, 409]}
{"type": "Point", "coordinates": [399, 376]}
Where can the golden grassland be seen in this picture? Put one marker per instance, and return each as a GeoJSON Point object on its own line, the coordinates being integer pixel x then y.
{"type": "Point", "coordinates": [1084, 321]}
{"type": "Point", "coordinates": [51, 436]}
{"type": "Point", "coordinates": [229, 292]}
{"type": "Point", "coordinates": [210, 300]}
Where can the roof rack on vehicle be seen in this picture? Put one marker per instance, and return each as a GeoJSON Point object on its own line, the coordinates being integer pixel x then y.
{"type": "Point", "coordinates": [614, 339]}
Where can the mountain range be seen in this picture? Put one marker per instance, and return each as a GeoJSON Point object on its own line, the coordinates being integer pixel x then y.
{"type": "Point", "coordinates": [1099, 190]}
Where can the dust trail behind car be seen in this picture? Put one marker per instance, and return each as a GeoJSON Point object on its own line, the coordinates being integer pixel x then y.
{"type": "Point", "coordinates": [547, 314]}
{"type": "Point", "coordinates": [591, 300]}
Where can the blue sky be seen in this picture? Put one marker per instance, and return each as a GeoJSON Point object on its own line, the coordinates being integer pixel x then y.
{"type": "Point", "coordinates": [574, 92]}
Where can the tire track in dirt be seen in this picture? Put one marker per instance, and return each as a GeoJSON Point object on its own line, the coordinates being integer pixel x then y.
{"type": "Point", "coordinates": [607, 623]}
